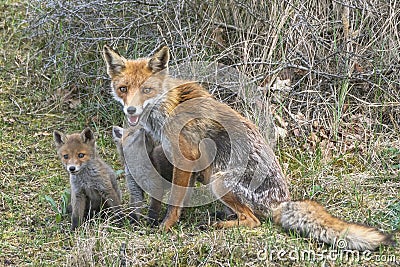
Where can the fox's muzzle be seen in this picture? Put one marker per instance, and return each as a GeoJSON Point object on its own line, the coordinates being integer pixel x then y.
{"type": "Point", "coordinates": [73, 169]}
{"type": "Point", "coordinates": [132, 114]}
{"type": "Point", "coordinates": [131, 110]}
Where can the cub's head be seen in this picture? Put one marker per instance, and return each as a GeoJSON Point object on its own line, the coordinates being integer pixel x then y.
{"type": "Point", "coordinates": [75, 150]}
{"type": "Point", "coordinates": [136, 83]}
{"type": "Point", "coordinates": [118, 133]}
{"type": "Point", "coordinates": [129, 139]}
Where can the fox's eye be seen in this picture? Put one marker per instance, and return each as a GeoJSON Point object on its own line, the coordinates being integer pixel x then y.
{"type": "Point", "coordinates": [81, 155]}
{"type": "Point", "coordinates": [123, 89]}
{"type": "Point", "coordinates": [146, 90]}
{"type": "Point", "coordinates": [65, 156]}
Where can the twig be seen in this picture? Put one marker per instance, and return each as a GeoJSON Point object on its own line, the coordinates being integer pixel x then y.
{"type": "Point", "coordinates": [16, 103]}
{"type": "Point", "coordinates": [122, 254]}
{"type": "Point", "coordinates": [388, 104]}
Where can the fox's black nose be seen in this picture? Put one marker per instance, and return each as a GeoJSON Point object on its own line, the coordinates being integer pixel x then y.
{"type": "Point", "coordinates": [131, 110]}
{"type": "Point", "coordinates": [71, 168]}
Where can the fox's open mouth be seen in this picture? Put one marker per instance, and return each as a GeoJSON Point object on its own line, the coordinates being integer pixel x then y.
{"type": "Point", "coordinates": [133, 120]}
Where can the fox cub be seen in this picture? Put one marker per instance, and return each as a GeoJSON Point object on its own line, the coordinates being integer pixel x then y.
{"type": "Point", "coordinates": [138, 157]}
{"type": "Point", "coordinates": [146, 166]}
{"type": "Point", "coordinates": [93, 182]}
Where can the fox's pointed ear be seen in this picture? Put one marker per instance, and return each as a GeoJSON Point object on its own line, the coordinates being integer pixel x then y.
{"type": "Point", "coordinates": [159, 60]}
{"type": "Point", "coordinates": [115, 62]}
{"type": "Point", "coordinates": [117, 133]}
{"type": "Point", "coordinates": [87, 136]}
{"type": "Point", "coordinates": [59, 138]}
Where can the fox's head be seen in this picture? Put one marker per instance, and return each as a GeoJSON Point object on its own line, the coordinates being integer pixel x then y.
{"type": "Point", "coordinates": [136, 83]}
{"type": "Point", "coordinates": [75, 150]}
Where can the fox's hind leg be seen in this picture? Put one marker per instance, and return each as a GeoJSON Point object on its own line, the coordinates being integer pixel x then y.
{"type": "Point", "coordinates": [112, 201]}
{"type": "Point", "coordinates": [245, 215]}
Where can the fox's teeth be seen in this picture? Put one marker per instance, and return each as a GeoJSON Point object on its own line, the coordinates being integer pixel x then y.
{"type": "Point", "coordinates": [133, 120]}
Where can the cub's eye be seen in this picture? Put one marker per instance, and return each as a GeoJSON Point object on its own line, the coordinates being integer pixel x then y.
{"type": "Point", "coordinates": [65, 156]}
{"type": "Point", "coordinates": [123, 89]}
{"type": "Point", "coordinates": [81, 155]}
{"type": "Point", "coordinates": [146, 90]}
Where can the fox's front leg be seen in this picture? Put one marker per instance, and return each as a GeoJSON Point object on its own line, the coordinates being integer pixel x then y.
{"type": "Point", "coordinates": [78, 202]}
{"type": "Point", "coordinates": [136, 199]}
{"type": "Point", "coordinates": [156, 193]}
{"type": "Point", "coordinates": [181, 182]}
{"type": "Point", "coordinates": [155, 205]}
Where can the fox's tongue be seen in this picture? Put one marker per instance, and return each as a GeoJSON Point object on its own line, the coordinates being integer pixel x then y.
{"type": "Point", "coordinates": [133, 120]}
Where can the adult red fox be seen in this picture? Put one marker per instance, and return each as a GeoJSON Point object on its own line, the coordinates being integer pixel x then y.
{"type": "Point", "coordinates": [239, 167]}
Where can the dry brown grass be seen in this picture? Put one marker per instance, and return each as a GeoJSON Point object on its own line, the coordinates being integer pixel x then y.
{"type": "Point", "coordinates": [341, 58]}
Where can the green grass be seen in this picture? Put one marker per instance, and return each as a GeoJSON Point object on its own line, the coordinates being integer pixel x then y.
{"type": "Point", "coordinates": [352, 185]}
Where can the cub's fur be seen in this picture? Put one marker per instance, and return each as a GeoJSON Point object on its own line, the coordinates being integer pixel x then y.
{"type": "Point", "coordinates": [138, 156]}
{"type": "Point", "coordinates": [93, 182]}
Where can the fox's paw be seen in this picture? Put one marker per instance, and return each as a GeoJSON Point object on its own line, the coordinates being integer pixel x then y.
{"type": "Point", "coordinates": [74, 223]}
{"type": "Point", "coordinates": [118, 219]}
{"type": "Point", "coordinates": [218, 224]}
{"type": "Point", "coordinates": [133, 218]}
{"type": "Point", "coordinates": [222, 216]}
{"type": "Point", "coordinates": [164, 227]}
{"type": "Point", "coordinates": [203, 226]}
{"type": "Point", "coordinates": [152, 222]}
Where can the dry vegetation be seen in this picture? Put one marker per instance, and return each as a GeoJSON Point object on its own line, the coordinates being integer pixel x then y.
{"type": "Point", "coordinates": [327, 71]}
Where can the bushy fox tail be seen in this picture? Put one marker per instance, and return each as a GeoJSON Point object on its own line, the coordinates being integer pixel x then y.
{"type": "Point", "coordinates": [311, 219]}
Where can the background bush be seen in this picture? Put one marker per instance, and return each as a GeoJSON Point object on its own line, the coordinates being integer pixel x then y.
{"type": "Point", "coordinates": [339, 58]}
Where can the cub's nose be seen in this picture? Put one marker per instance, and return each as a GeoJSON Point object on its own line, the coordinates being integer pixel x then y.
{"type": "Point", "coordinates": [131, 110]}
{"type": "Point", "coordinates": [72, 168]}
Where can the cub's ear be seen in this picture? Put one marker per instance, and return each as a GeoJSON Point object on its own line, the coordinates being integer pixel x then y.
{"type": "Point", "coordinates": [117, 133]}
{"type": "Point", "coordinates": [159, 60]}
{"type": "Point", "coordinates": [59, 138]}
{"type": "Point", "coordinates": [87, 136]}
{"type": "Point", "coordinates": [115, 62]}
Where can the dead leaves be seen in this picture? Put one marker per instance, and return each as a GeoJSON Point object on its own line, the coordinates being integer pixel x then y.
{"type": "Point", "coordinates": [353, 134]}
{"type": "Point", "coordinates": [280, 89]}
{"type": "Point", "coordinates": [9, 120]}
{"type": "Point", "coordinates": [67, 97]}
{"type": "Point", "coordinates": [218, 38]}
